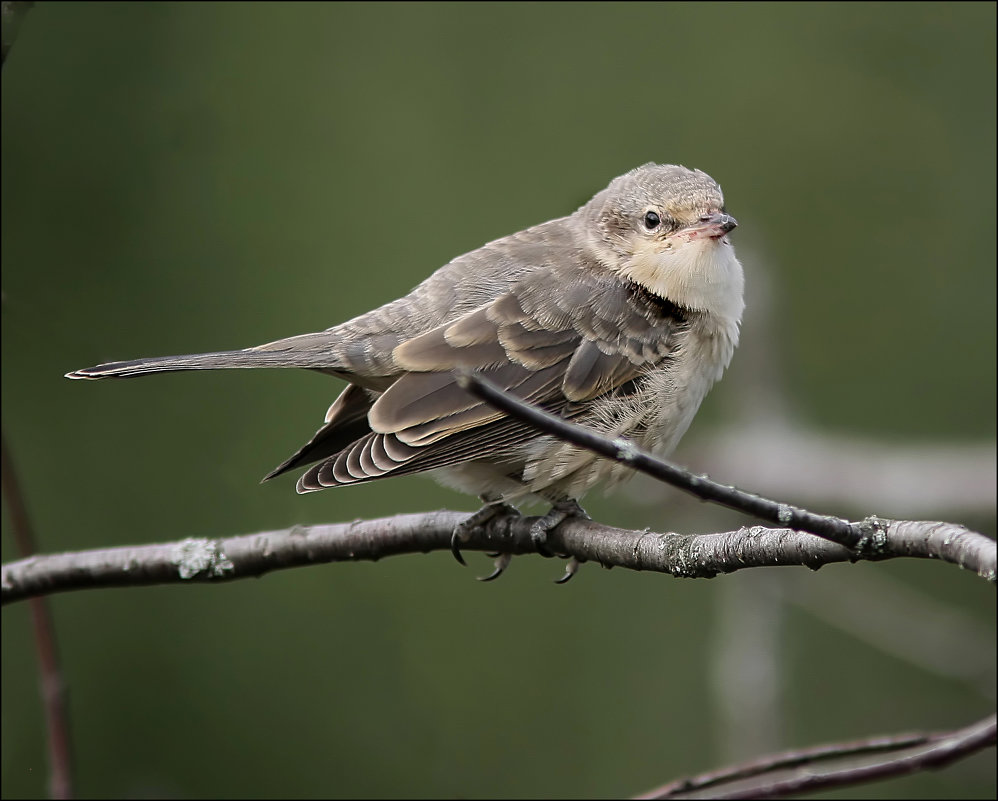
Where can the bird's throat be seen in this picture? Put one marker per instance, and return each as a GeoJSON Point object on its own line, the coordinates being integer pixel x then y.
{"type": "Point", "coordinates": [703, 275]}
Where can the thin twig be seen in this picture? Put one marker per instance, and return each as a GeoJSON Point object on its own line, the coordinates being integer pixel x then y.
{"type": "Point", "coordinates": [858, 536]}
{"type": "Point", "coordinates": [836, 765]}
{"type": "Point", "coordinates": [788, 759]}
{"type": "Point", "coordinates": [53, 688]}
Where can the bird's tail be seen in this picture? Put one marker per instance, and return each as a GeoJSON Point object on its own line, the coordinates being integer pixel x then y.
{"type": "Point", "coordinates": [311, 351]}
{"type": "Point", "coordinates": [222, 360]}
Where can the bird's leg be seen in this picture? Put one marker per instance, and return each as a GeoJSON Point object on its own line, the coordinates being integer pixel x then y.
{"type": "Point", "coordinates": [559, 512]}
{"type": "Point", "coordinates": [462, 531]}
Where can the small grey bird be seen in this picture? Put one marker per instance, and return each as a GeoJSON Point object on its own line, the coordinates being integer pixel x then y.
{"type": "Point", "coordinates": [619, 317]}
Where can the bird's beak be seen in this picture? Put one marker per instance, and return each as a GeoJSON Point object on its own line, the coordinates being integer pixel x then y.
{"type": "Point", "coordinates": [714, 226]}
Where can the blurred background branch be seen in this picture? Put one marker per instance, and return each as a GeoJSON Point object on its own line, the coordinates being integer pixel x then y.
{"type": "Point", "coordinates": [809, 770]}
{"type": "Point", "coordinates": [11, 16]}
{"type": "Point", "coordinates": [50, 678]}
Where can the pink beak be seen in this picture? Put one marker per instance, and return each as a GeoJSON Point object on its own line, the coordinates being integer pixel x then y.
{"type": "Point", "coordinates": [714, 225]}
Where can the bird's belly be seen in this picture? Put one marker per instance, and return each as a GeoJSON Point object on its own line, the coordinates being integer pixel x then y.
{"type": "Point", "coordinates": [655, 418]}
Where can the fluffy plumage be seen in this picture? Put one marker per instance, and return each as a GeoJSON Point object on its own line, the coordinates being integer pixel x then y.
{"type": "Point", "coordinates": [620, 316]}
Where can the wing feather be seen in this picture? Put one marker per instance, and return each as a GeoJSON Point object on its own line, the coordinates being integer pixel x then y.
{"type": "Point", "coordinates": [554, 340]}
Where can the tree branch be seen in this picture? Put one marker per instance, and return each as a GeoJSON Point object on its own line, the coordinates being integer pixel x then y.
{"type": "Point", "coordinates": [688, 556]}
{"type": "Point", "coordinates": [837, 765]}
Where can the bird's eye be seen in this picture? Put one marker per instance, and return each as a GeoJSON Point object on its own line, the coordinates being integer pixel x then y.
{"type": "Point", "coordinates": [652, 221]}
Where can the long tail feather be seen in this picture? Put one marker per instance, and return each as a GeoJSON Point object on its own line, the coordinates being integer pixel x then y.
{"type": "Point", "coordinates": [222, 360]}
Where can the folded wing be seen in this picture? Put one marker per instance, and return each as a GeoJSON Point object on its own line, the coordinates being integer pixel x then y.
{"type": "Point", "coordinates": [557, 340]}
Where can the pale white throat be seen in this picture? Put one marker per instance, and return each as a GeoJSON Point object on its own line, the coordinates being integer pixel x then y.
{"type": "Point", "coordinates": [699, 273]}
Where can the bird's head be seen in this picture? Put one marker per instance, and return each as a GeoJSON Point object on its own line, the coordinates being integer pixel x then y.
{"type": "Point", "coordinates": [665, 227]}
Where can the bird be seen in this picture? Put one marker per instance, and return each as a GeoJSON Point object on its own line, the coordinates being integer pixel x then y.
{"type": "Point", "coordinates": [619, 317]}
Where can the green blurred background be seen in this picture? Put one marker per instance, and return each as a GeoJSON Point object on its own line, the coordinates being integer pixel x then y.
{"type": "Point", "coordinates": [187, 177]}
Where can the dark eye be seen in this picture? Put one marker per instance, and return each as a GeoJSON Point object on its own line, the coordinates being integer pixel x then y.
{"type": "Point", "coordinates": [652, 221]}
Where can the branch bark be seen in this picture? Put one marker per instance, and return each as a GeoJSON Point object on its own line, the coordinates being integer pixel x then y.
{"type": "Point", "coordinates": [681, 555]}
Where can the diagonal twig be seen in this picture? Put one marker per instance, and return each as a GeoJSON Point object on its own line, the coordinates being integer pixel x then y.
{"type": "Point", "coordinates": [860, 537]}
{"type": "Point", "coordinates": [52, 685]}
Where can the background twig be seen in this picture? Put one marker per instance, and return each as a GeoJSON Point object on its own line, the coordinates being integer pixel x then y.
{"type": "Point", "coordinates": [53, 688]}
{"type": "Point", "coordinates": [835, 765]}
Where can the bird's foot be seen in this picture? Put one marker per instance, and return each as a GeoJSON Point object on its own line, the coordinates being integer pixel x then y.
{"type": "Point", "coordinates": [464, 529]}
{"type": "Point", "coordinates": [559, 512]}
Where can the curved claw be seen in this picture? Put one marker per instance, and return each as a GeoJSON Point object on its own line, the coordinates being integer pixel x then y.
{"type": "Point", "coordinates": [455, 546]}
{"type": "Point", "coordinates": [463, 529]}
{"type": "Point", "coordinates": [570, 570]}
{"type": "Point", "coordinates": [500, 565]}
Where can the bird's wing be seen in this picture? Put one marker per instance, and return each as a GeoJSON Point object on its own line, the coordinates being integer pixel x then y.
{"type": "Point", "coordinates": [557, 339]}
{"type": "Point", "coordinates": [346, 422]}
